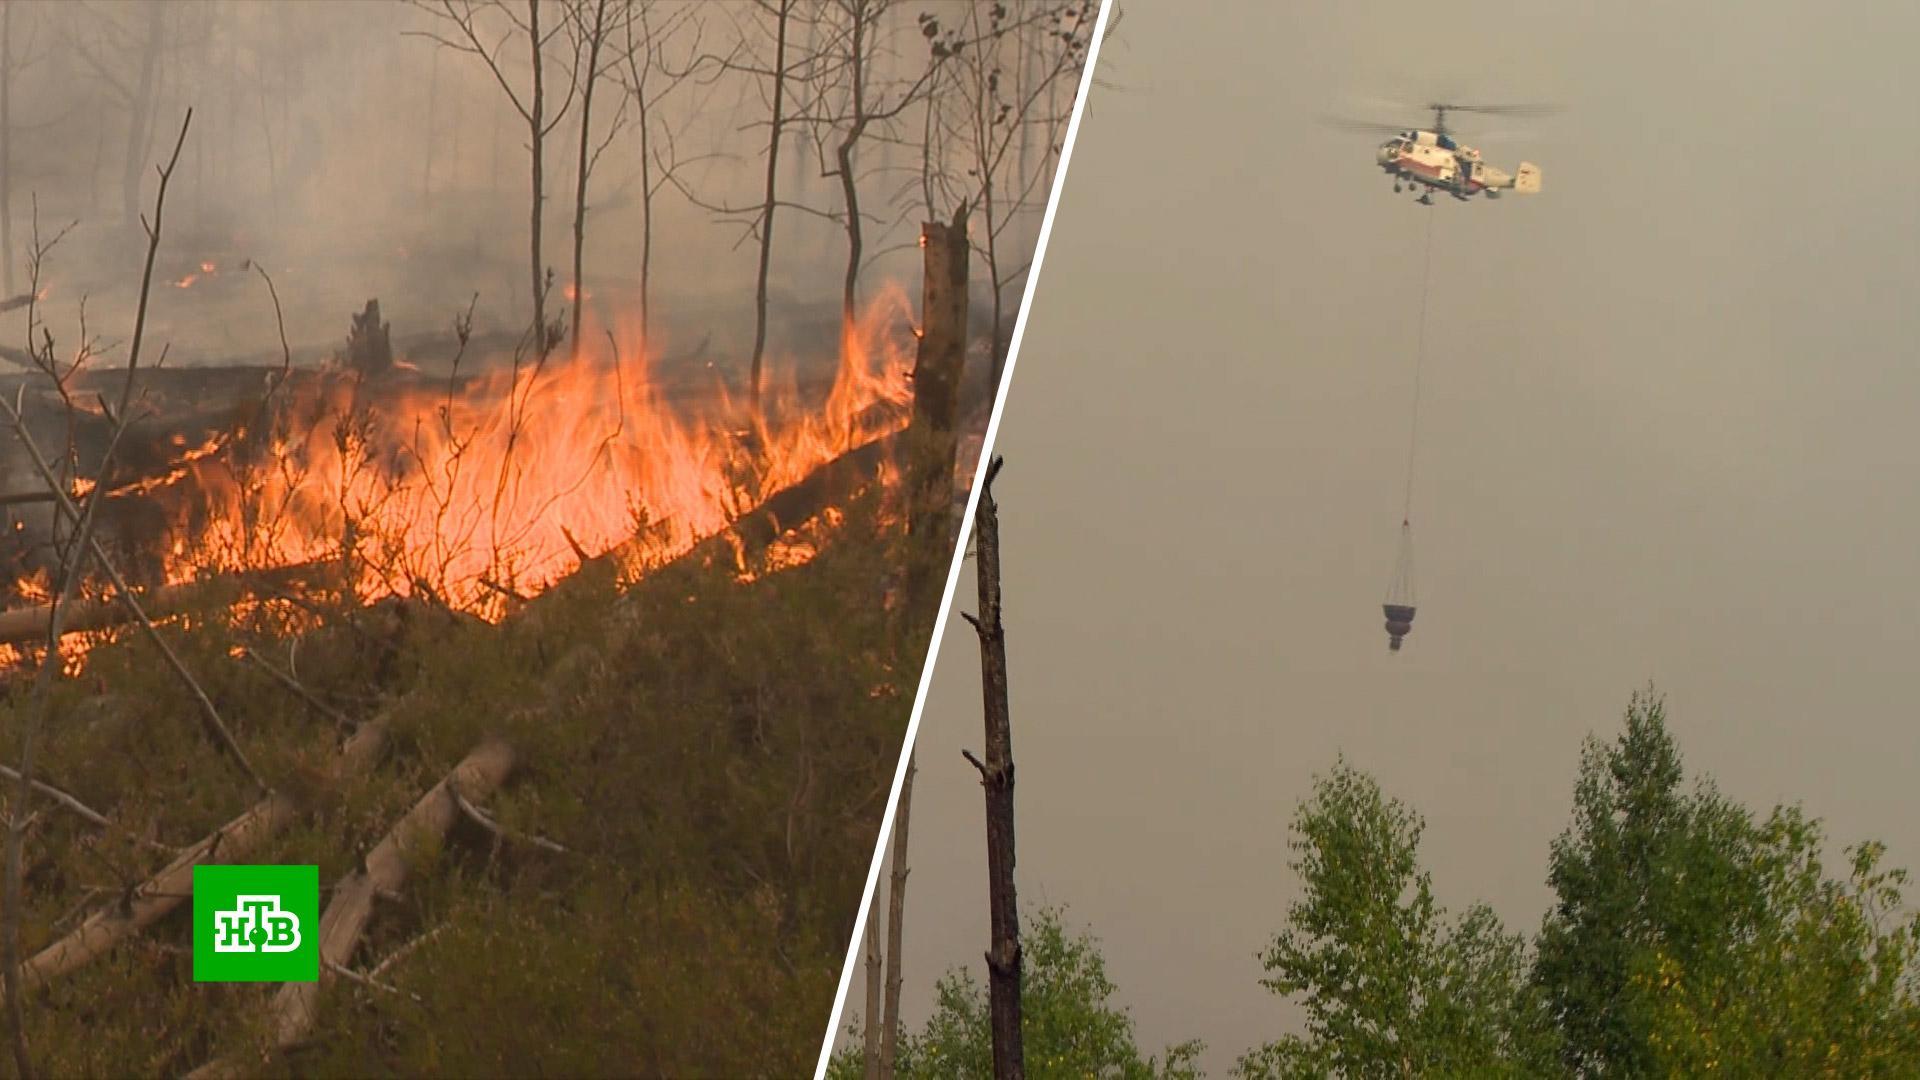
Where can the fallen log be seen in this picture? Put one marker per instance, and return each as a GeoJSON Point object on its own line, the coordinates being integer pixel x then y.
{"type": "Point", "coordinates": [824, 487]}
{"type": "Point", "coordinates": [296, 1007]}
{"type": "Point", "coordinates": [20, 626]}
{"type": "Point", "coordinates": [166, 890]}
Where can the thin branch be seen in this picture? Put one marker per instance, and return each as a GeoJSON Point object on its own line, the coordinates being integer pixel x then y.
{"type": "Point", "coordinates": [481, 819]}
{"type": "Point", "coordinates": [401, 953]}
{"type": "Point", "coordinates": [293, 686]}
{"type": "Point", "coordinates": [369, 981]}
{"type": "Point", "coordinates": [86, 813]}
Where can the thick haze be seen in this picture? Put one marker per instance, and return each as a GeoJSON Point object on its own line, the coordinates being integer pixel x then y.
{"type": "Point", "coordinates": [1667, 434]}
{"type": "Point", "coordinates": [354, 158]}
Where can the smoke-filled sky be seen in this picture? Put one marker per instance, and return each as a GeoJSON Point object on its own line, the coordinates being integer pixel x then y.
{"type": "Point", "coordinates": [354, 156]}
{"type": "Point", "coordinates": [1666, 434]}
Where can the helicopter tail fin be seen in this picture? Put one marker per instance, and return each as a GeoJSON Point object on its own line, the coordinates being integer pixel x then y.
{"type": "Point", "coordinates": [1527, 180]}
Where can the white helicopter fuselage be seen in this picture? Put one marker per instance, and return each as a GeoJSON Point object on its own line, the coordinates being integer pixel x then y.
{"type": "Point", "coordinates": [1437, 161]}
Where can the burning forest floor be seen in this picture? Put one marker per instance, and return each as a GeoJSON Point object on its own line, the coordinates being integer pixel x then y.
{"type": "Point", "coordinates": [584, 698]}
{"type": "Point", "coordinates": [647, 866]}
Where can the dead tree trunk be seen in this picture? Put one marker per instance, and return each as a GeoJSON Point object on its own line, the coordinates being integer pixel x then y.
{"type": "Point", "coordinates": [996, 776]}
{"type": "Point", "coordinates": [536, 133]}
{"type": "Point", "coordinates": [594, 40]}
{"type": "Point", "coordinates": [140, 115]}
{"type": "Point", "coordinates": [870, 1051]}
{"type": "Point", "coordinates": [843, 158]}
{"type": "Point", "coordinates": [936, 405]}
{"type": "Point", "coordinates": [6, 148]}
{"type": "Point", "coordinates": [426, 169]}
{"type": "Point", "coordinates": [777, 129]}
{"type": "Point", "coordinates": [896, 927]}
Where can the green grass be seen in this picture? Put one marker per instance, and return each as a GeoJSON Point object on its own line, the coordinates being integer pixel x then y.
{"type": "Point", "coordinates": [714, 756]}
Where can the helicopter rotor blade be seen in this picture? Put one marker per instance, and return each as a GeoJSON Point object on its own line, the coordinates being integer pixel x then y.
{"type": "Point", "coordinates": [1362, 127]}
{"type": "Point", "coordinates": [1500, 110]}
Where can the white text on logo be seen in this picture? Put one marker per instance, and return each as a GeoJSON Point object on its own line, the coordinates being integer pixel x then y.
{"type": "Point", "coordinates": [256, 924]}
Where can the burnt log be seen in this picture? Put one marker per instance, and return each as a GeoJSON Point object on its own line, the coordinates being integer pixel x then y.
{"type": "Point", "coordinates": [29, 624]}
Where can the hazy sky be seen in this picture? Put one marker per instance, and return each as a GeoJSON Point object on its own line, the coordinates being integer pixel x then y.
{"type": "Point", "coordinates": [356, 158]}
{"type": "Point", "coordinates": [1667, 434]}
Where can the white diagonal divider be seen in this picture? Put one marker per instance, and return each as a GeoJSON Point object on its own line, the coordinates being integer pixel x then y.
{"type": "Point", "coordinates": [965, 533]}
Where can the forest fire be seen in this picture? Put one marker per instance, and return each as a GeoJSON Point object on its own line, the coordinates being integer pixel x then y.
{"type": "Point", "coordinates": [482, 493]}
{"type": "Point", "coordinates": [587, 583]}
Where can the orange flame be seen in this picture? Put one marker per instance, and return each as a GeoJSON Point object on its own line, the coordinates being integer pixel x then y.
{"type": "Point", "coordinates": [507, 487]}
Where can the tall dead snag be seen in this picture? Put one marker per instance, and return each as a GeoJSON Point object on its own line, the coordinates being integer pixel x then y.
{"type": "Point", "coordinates": [648, 79]}
{"type": "Point", "coordinates": [936, 405]}
{"type": "Point", "coordinates": [6, 148]}
{"type": "Point", "coordinates": [896, 927]}
{"type": "Point", "coordinates": [870, 1051]}
{"type": "Point", "coordinates": [782, 13]}
{"type": "Point", "coordinates": [996, 776]}
{"type": "Point", "coordinates": [470, 37]}
{"type": "Point", "coordinates": [295, 1008]}
{"type": "Point", "coordinates": [589, 39]}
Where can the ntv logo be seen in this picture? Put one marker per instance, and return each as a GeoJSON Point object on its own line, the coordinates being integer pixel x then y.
{"type": "Point", "coordinates": [255, 923]}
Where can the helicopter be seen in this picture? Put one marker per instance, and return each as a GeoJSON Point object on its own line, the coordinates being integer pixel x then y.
{"type": "Point", "coordinates": [1429, 160]}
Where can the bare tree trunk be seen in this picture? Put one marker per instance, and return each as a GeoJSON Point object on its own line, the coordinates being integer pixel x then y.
{"type": "Point", "coordinates": [6, 146]}
{"type": "Point", "coordinates": [99, 166]}
{"type": "Point", "coordinates": [998, 352]}
{"type": "Point", "coordinates": [535, 133]}
{"type": "Point", "coordinates": [1029, 57]}
{"type": "Point", "coordinates": [896, 927]}
{"type": "Point", "coordinates": [493, 161]}
{"type": "Point", "coordinates": [426, 169]}
{"type": "Point", "coordinates": [646, 219]}
{"type": "Point", "coordinates": [266, 141]}
{"type": "Point", "coordinates": [870, 1052]}
{"type": "Point", "coordinates": [580, 188]}
{"type": "Point", "coordinates": [996, 776]}
{"type": "Point", "coordinates": [140, 115]}
{"type": "Point", "coordinates": [843, 157]}
{"type": "Point", "coordinates": [778, 129]}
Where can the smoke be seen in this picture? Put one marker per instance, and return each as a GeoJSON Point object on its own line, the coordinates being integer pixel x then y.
{"type": "Point", "coordinates": [352, 156]}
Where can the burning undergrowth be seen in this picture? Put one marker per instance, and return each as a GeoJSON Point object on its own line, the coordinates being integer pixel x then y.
{"type": "Point", "coordinates": [689, 626]}
{"type": "Point", "coordinates": [478, 488]}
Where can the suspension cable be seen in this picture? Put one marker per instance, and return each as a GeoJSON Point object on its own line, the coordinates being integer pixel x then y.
{"type": "Point", "coordinates": [1419, 355]}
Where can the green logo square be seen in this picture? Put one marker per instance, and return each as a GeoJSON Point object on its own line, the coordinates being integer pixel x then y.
{"type": "Point", "coordinates": [256, 924]}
